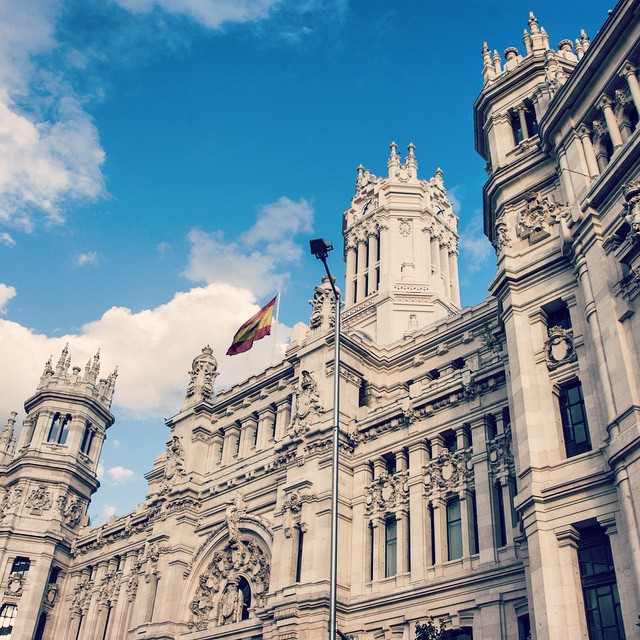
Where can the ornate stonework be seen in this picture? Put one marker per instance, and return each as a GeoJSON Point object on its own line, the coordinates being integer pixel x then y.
{"type": "Point", "coordinates": [631, 208]}
{"type": "Point", "coordinates": [216, 597]}
{"type": "Point", "coordinates": [448, 473]}
{"type": "Point", "coordinates": [323, 307]}
{"type": "Point", "coordinates": [307, 407]}
{"type": "Point", "coordinates": [539, 214]}
{"type": "Point", "coordinates": [559, 348]}
{"type": "Point", "coordinates": [39, 500]}
{"type": "Point", "coordinates": [387, 493]}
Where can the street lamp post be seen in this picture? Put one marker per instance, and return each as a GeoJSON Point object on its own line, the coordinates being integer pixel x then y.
{"type": "Point", "coordinates": [320, 249]}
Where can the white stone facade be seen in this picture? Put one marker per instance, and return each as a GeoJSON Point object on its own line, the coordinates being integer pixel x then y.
{"type": "Point", "coordinates": [489, 473]}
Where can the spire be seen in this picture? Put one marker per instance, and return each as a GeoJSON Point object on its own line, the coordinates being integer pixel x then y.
{"type": "Point", "coordinates": [497, 62]}
{"type": "Point", "coordinates": [394, 159]}
{"type": "Point", "coordinates": [204, 371]}
{"type": "Point", "coordinates": [539, 37]}
{"type": "Point", "coordinates": [526, 39]}
{"type": "Point", "coordinates": [63, 364]}
{"type": "Point", "coordinates": [488, 71]}
{"type": "Point", "coordinates": [7, 441]}
{"type": "Point", "coordinates": [412, 163]}
{"type": "Point", "coordinates": [584, 40]}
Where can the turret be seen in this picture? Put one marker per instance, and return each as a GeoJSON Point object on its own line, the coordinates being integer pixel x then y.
{"type": "Point", "coordinates": [401, 244]}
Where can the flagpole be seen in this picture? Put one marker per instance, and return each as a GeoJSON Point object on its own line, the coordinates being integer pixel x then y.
{"type": "Point", "coordinates": [275, 329]}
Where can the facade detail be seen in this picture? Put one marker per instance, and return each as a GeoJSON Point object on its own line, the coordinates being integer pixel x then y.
{"type": "Point", "coordinates": [489, 455]}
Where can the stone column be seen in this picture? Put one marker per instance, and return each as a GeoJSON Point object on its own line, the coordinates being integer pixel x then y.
{"type": "Point", "coordinates": [605, 105]}
{"type": "Point", "coordinates": [428, 268]}
{"type": "Point", "coordinates": [351, 270]}
{"type": "Point", "coordinates": [230, 446]}
{"type": "Point", "coordinates": [377, 523]}
{"type": "Point", "coordinates": [440, 529]}
{"type": "Point", "coordinates": [403, 550]}
{"type": "Point", "coordinates": [360, 542]}
{"type": "Point", "coordinates": [453, 271]}
{"type": "Point", "coordinates": [435, 256]}
{"type": "Point", "coordinates": [266, 423]}
{"type": "Point", "coordinates": [373, 252]}
{"type": "Point", "coordinates": [589, 153]}
{"type": "Point", "coordinates": [628, 71]}
{"type": "Point", "coordinates": [126, 595]}
{"type": "Point", "coordinates": [505, 496]}
{"type": "Point", "coordinates": [465, 524]}
{"type": "Point", "coordinates": [420, 530]}
{"type": "Point", "coordinates": [29, 604]}
{"type": "Point", "coordinates": [523, 121]}
{"type": "Point", "coordinates": [283, 417]}
{"type": "Point", "coordinates": [362, 269]}
{"type": "Point", "coordinates": [444, 265]}
{"type": "Point", "coordinates": [217, 443]}
{"type": "Point", "coordinates": [93, 616]}
{"type": "Point", "coordinates": [247, 437]}
{"type": "Point", "coordinates": [486, 542]}
{"type": "Point", "coordinates": [568, 581]}
{"type": "Point", "coordinates": [565, 177]}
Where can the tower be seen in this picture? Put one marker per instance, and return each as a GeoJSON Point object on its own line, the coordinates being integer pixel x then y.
{"type": "Point", "coordinates": [558, 129]}
{"type": "Point", "coordinates": [401, 240]}
{"type": "Point", "coordinates": [47, 484]}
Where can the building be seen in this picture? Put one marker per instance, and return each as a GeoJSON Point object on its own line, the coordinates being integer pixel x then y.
{"type": "Point", "coordinates": [489, 470]}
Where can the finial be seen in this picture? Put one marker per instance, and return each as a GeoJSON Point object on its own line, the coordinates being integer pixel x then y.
{"type": "Point", "coordinates": [62, 359]}
{"type": "Point", "coordinates": [96, 362]}
{"type": "Point", "coordinates": [497, 61]}
{"type": "Point", "coordinates": [411, 148]}
{"type": "Point", "coordinates": [533, 23]}
{"type": "Point", "coordinates": [584, 39]}
{"type": "Point", "coordinates": [394, 148]}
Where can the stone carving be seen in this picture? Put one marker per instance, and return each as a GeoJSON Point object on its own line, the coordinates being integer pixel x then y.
{"type": "Point", "coordinates": [553, 73]}
{"type": "Point", "coordinates": [323, 306]}
{"type": "Point", "coordinates": [404, 227]}
{"type": "Point", "coordinates": [236, 509]}
{"type": "Point", "coordinates": [387, 492]}
{"type": "Point", "coordinates": [296, 499]}
{"type": "Point", "coordinates": [10, 498]}
{"type": "Point", "coordinates": [364, 180]}
{"type": "Point", "coordinates": [489, 339]}
{"type": "Point", "coordinates": [307, 407]}
{"type": "Point", "coordinates": [51, 594]}
{"type": "Point", "coordinates": [450, 472]}
{"type": "Point", "coordinates": [499, 453]}
{"type": "Point", "coordinates": [81, 595]}
{"type": "Point", "coordinates": [39, 500]}
{"type": "Point", "coordinates": [109, 588]}
{"type": "Point", "coordinates": [559, 348]}
{"type": "Point", "coordinates": [539, 213]}
{"type": "Point", "coordinates": [70, 510]}
{"type": "Point", "coordinates": [631, 208]}
{"type": "Point", "coordinates": [204, 371]}
{"type": "Point", "coordinates": [218, 586]}
{"type": "Point", "coordinates": [15, 584]}
{"type": "Point", "coordinates": [174, 464]}
{"type": "Point", "coordinates": [7, 440]}
{"type": "Point", "coordinates": [503, 238]}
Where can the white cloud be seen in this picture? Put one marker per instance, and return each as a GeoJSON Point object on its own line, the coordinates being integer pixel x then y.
{"type": "Point", "coordinates": [475, 249]}
{"type": "Point", "coordinates": [120, 475]}
{"type": "Point", "coordinates": [100, 470]}
{"type": "Point", "coordinates": [50, 154]}
{"type": "Point", "coordinates": [83, 259]}
{"type": "Point", "coordinates": [6, 293]}
{"type": "Point", "coordinates": [258, 254]}
{"type": "Point", "coordinates": [107, 511]}
{"type": "Point", "coordinates": [6, 239]}
{"type": "Point", "coordinates": [116, 444]}
{"type": "Point", "coordinates": [153, 350]}
{"type": "Point", "coordinates": [211, 14]}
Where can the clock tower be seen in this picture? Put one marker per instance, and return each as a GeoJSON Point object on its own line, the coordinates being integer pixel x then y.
{"type": "Point", "coordinates": [401, 250]}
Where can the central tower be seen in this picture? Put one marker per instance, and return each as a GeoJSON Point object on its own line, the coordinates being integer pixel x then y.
{"type": "Point", "coordinates": [401, 250]}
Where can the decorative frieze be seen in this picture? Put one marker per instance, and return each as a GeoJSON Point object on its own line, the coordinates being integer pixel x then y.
{"type": "Point", "coordinates": [449, 472]}
{"type": "Point", "coordinates": [387, 493]}
{"type": "Point", "coordinates": [39, 500]}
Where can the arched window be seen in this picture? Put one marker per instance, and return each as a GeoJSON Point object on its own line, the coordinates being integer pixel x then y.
{"type": "Point", "coordinates": [59, 429]}
{"type": "Point", "coordinates": [245, 590]}
{"type": "Point", "coordinates": [87, 438]}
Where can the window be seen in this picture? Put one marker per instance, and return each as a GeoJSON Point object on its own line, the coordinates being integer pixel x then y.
{"type": "Point", "coordinates": [87, 438]}
{"type": "Point", "coordinates": [559, 317]}
{"type": "Point", "coordinates": [475, 547]}
{"type": "Point", "coordinates": [42, 623]}
{"type": "Point", "coordinates": [432, 534]}
{"type": "Point", "coordinates": [524, 627]}
{"type": "Point", "coordinates": [20, 567]}
{"type": "Point", "coordinates": [454, 529]}
{"type": "Point", "coordinates": [390, 547]}
{"type": "Point", "coordinates": [7, 618]}
{"type": "Point", "coordinates": [363, 393]}
{"type": "Point", "coordinates": [499, 523]}
{"type": "Point", "coordinates": [370, 552]}
{"type": "Point", "coordinates": [59, 429]}
{"type": "Point", "coordinates": [574, 419]}
{"type": "Point", "coordinates": [245, 591]}
{"type": "Point", "coordinates": [450, 441]}
{"type": "Point", "coordinates": [389, 463]}
{"type": "Point", "coordinates": [299, 553]}
{"type": "Point", "coordinates": [598, 577]}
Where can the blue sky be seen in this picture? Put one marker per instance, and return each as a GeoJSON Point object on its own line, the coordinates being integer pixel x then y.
{"type": "Point", "coordinates": [165, 163]}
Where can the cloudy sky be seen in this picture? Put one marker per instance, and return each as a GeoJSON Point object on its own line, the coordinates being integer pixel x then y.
{"type": "Point", "coordinates": [163, 164]}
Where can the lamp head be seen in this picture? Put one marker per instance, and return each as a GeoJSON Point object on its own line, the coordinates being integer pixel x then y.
{"type": "Point", "coordinates": [320, 248]}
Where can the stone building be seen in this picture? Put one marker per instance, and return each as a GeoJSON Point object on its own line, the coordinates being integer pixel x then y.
{"type": "Point", "coordinates": [489, 472]}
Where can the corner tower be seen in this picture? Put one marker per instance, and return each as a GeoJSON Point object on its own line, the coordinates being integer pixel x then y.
{"type": "Point", "coordinates": [401, 250]}
{"type": "Point", "coordinates": [46, 485]}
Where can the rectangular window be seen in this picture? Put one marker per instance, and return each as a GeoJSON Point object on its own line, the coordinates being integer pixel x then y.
{"type": "Point", "coordinates": [598, 577]}
{"type": "Point", "coordinates": [390, 547]}
{"type": "Point", "coordinates": [7, 619]}
{"type": "Point", "coordinates": [432, 534]}
{"type": "Point", "coordinates": [370, 552]}
{"type": "Point", "coordinates": [299, 554]}
{"type": "Point", "coordinates": [499, 523]}
{"type": "Point", "coordinates": [475, 547]}
{"type": "Point", "coordinates": [59, 429]}
{"type": "Point", "coordinates": [87, 438]}
{"type": "Point", "coordinates": [574, 419]}
{"type": "Point", "coordinates": [20, 566]}
{"type": "Point", "coordinates": [454, 529]}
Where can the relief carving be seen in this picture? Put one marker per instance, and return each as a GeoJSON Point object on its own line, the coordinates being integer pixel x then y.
{"type": "Point", "coordinates": [450, 472]}
{"type": "Point", "coordinates": [499, 453]}
{"type": "Point", "coordinates": [323, 306]}
{"type": "Point", "coordinates": [539, 214]}
{"type": "Point", "coordinates": [174, 464]}
{"type": "Point", "coordinates": [307, 407]}
{"type": "Point", "coordinates": [559, 348]}
{"type": "Point", "coordinates": [387, 492]}
{"type": "Point", "coordinates": [631, 208]}
{"type": "Point", "coordinates": [39, 500]}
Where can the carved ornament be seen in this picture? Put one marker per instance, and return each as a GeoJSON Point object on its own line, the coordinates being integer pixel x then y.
{"type": "Point", "coordinates": [387, 492]}
{"type": "Point", "coordinates": [631, 208]}
{"type": "Point", "coordinates": [39, 500]}
{"type": "Point", "coordinates": [307, 407]}
{"type": "Point", "coordinates": [539, 213]}
{"type": "Point", "coordinates": [559, 348]}
{"type": "Point", "coordinates": [448, 473]}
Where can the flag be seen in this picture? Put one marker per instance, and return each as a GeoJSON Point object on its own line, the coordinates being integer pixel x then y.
{"type": "Point", "coordinates": [253, 329]}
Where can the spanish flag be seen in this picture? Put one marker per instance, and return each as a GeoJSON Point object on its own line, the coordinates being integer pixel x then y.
{"type": "Point", "coordinates": [253, 329]}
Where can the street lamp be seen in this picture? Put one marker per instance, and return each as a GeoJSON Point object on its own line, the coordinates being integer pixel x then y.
{"type": "Point", "coordinates": [320, 249]}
